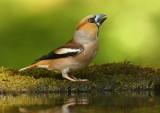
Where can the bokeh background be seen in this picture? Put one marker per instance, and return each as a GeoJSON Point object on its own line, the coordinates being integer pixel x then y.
{"type": "Point", "coordinates": [32, 28]}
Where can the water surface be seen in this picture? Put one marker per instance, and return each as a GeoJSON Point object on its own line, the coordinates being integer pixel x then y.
{"type": "Point", "coordinates": [109, 102]}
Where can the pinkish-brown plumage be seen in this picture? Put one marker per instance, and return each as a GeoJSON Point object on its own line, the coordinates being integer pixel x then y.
{"type": "Point", "coordinates": [77, 53]}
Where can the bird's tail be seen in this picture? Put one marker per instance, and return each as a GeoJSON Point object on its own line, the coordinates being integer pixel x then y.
{"type": "Point", "coordinates": [30, 66]}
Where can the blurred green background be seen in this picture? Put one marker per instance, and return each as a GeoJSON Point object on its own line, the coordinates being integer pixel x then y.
{"type": "Point", "coordinates": [32, 28]}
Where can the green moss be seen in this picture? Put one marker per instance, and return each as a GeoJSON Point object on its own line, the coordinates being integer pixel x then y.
{"type": "Point", "coordinates": [122, 76]}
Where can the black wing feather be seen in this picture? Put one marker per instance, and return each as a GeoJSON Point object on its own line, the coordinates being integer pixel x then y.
{"type": "Point", "coordinates": [53, 55]}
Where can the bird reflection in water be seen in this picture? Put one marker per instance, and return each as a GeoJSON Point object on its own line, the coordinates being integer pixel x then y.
{"type": "Point", "coordinates": [63, 109]}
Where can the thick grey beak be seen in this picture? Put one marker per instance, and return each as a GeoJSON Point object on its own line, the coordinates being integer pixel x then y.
{"type": "Point", "coordinates": [99, 19]}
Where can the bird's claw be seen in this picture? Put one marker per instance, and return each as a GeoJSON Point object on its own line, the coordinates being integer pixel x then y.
{"type": "Point", "coordinates": [80, 80]}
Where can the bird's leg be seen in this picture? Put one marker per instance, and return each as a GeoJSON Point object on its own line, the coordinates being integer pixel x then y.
{"type": "Point", "coordinates": [74, 79]}
{"type": "Point", "coordinates": [65, 75]}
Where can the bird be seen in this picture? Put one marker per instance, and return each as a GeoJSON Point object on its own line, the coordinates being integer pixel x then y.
{"type": "Point", "coordinates": [76, 53]}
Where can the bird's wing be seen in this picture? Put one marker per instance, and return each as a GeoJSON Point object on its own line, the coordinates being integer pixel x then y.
{"type": "Point", "coordinates": [68, 50]}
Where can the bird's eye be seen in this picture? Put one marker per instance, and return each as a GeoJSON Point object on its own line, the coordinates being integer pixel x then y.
{"type": "Point", "coordinates": [91, 20]}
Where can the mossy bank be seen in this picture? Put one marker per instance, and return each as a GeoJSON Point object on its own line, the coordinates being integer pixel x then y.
{"type": "Point", "coordinates": [122, 76]}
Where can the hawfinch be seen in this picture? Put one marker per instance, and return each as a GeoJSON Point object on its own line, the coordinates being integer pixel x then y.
{"type": "Point", "coordinates": [75, 54]}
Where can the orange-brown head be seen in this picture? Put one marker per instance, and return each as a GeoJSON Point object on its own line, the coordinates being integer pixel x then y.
{"type": "Point", "coordinates": [88, 27]}
{"type": "Point", "coordinates": [91, 23]}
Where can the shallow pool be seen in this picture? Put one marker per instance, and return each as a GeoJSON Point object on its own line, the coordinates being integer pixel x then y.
{"type": "Point", "coordinates": [108, 102]}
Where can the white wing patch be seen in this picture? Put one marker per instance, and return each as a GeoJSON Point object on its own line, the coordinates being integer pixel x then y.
{"type": "Point", "coordinates": [69, 50]}
{"type": "Point", "coordinates": [42, 66]}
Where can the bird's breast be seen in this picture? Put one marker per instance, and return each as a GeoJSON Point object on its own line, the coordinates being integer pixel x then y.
{"type": "Point", "coordinates": [73, 63]}
{"type": "Point", "coordinates": [90, 51]}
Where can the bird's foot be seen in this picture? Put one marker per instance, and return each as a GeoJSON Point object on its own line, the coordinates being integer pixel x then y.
{"type": "Point", "coordinates": [76, 80]}
{"type": "Point", "coordinates": [82, 80]}
{"type": "Point", "coordinates": [73, 79]}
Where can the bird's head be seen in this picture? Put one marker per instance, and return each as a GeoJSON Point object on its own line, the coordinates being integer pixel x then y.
{"type": "Point", "coordinates": [89, 25]}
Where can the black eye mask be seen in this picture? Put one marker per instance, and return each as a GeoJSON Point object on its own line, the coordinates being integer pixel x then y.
{"type": "Point", "coordinates": [91, 20]}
